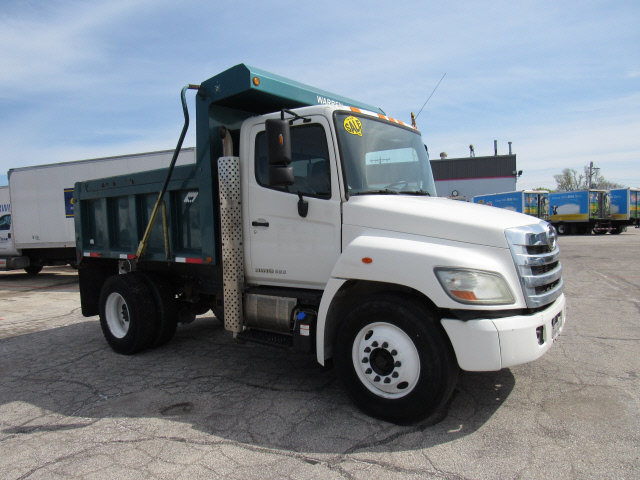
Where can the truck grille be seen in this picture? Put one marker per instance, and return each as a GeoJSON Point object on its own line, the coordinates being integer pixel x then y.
{"type": "Point", "coordinates": [537, 249]}
{"type": "Point", "coordinates": [535, 254]}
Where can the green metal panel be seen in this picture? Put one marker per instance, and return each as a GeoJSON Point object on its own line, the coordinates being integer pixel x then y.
{"type": "Point", "coordinates": [187, 234]}
{"type": "Point", "coordinates": [235, 88]}
{"type": "Point", "coordinates": [122, 227]}
{"type": "Point", "coordinates": [115, 210]}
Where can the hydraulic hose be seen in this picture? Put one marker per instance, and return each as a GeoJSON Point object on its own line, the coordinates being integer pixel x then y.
{"type": "Point", "coordinates": [145, 239]}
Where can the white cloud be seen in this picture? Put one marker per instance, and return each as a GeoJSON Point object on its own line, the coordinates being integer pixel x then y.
{"type": "Point", "coordinates": [52, 46]}
{"type": "Point", "coordinates": [83, 80]}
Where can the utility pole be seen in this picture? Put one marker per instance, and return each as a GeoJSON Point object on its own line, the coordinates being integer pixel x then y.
{"type": "Point", "coordinates": [590, 173]}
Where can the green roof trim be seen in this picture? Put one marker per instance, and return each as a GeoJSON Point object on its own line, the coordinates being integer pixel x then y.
{"type": "Point", "coordinates": [235, 88]}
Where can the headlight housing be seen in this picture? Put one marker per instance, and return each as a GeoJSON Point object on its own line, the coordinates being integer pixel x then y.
{"type": "Point", "coordinates": [474, 287]}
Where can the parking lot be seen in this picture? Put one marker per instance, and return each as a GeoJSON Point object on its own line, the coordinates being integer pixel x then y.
{"type": "Point", "coordinates": [206, 407]}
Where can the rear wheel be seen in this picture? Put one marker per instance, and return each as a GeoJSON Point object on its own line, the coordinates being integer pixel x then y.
{"type": "Point", "coordinates": [395, 360]}
{"type": "Point", "coordinates": [128, 314]}
{"type": "Point", "coordinates": [562, 229]}
{"type": "Point", "coordinates": [33, 269]}
{"type": "Point", "coordinates": [167, 313]}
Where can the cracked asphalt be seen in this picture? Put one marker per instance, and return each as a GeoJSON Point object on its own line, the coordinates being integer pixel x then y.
{"type": "Point", "coordinates": [205, 407]}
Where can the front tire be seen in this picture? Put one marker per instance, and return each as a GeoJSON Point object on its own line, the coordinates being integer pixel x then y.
{"type": "Point", "coordinates": [395, 360]}
{"type": "Point", "coordinates": [128, 314]}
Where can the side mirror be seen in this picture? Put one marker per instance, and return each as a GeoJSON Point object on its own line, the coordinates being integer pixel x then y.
{"type": "Point", "coordinates": [279, 152]}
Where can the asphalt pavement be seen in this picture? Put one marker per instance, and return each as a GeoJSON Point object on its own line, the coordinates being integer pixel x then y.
{"type": "Point", "coordinates": [205, 407]}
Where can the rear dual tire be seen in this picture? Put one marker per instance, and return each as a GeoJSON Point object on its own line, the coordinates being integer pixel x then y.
{"type": "Point", "coordinates": [136, 314]}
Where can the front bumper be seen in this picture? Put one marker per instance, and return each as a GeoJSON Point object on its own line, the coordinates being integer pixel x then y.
{"type": "Point", "coordinates": [485, 345]}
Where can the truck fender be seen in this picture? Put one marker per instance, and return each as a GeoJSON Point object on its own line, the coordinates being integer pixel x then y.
{"type": "Point", "coordinates": [408, 263]}
{"type": "Point", "coordinates": [330, 291]}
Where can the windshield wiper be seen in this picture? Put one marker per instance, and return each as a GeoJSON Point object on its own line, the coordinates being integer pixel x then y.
{"type": "Point", "coordinates": [415, 192]}
{"type": "Point", "coordinates": [386, 191]}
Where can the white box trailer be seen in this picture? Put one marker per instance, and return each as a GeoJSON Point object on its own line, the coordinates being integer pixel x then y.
{"type": "Point", "coordinates": [42, 209]}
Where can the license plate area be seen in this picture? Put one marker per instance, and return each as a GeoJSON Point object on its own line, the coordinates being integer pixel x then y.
{"type": "Point", "coordinates": [557, 323]}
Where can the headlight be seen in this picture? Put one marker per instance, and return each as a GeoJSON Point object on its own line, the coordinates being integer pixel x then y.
{"type": "Point", "coordinates": [474, 287]}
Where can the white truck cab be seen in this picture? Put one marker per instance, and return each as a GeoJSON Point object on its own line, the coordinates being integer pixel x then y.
{"type": "Point", "coordinates": [372, 225]}
{"type": "Point", "coordinates": [359, 220]}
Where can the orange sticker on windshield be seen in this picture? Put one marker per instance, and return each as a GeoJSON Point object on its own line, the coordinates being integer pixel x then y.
{"type": "Point", "coordinates": [353, 126]}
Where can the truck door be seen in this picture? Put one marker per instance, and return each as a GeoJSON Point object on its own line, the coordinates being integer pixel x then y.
{"type": "Point", "coordinates": [605, 205]}
{"type": "Point", "coordinates": [7, 248]}
{"type": "Point", "coordinates": [286, 248]}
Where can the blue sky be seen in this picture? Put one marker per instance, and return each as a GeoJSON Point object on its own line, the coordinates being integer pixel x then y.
{"type": "Point", "coordinates": [561, 80]}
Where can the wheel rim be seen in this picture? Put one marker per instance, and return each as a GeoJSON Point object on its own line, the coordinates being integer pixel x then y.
{"type": "Point", "coordinates": [117, 314]}
{"type": "Point", "coordinates": [386, 360]}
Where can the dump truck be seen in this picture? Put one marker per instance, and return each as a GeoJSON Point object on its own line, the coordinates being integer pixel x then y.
{"type": "Point", "coordinates": [625, 209]}
{"type": "Point", "coordinates": [529, 202]}
{"type": "Point", "coordinates": [42, 208]}
{"type": "Point", "coordinates": [580, 212]}
{"type": "Point", "coordinates": [310, 222]}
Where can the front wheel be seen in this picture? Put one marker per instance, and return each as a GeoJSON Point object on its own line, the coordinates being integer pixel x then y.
{"type": "Point", "coordinates": [395, 360]}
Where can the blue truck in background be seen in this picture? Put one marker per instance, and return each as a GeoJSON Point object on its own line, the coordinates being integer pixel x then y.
{"type": "Point", "coordinates": [625, 210]}
{"type": "Point", "coordinates": [581, 212]}
{"type": "Point", "coordinates": [529, 202]}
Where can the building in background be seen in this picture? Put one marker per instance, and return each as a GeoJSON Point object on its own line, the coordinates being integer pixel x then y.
{"type": "Point", "coordinates": [465, 178]}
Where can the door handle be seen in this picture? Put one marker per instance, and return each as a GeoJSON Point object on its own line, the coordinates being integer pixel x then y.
{"type": "Point", "coordinates": [256, 223]}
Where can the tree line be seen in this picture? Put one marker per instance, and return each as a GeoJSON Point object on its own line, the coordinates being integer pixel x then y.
{"type": "Point", "coordinates": [569, 180]}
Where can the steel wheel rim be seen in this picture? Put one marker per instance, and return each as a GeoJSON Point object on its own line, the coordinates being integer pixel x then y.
{"type": "Point", "coordinates": [375, 346]}
{"type": "Point", "coordinates": [117, 315]}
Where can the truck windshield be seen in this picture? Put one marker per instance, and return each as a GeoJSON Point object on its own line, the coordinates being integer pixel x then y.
{"type": "Point", "coordinates": [382, 158]}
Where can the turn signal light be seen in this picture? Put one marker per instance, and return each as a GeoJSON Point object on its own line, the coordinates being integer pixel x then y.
{"type": "Point", "coordinates": [464, 295]}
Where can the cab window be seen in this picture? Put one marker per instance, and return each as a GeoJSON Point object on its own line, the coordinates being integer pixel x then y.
{"type": "Point", "coordinates": [5, 222]}
{"type": "Point", "coordinates": [309, 159]}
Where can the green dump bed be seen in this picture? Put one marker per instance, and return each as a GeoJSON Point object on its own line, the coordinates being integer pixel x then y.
{"type": "Point", "coordinates": [113, 213]}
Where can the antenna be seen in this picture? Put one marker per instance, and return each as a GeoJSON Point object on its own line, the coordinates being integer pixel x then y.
{"type": "Point", "coordinates": [430, 96]}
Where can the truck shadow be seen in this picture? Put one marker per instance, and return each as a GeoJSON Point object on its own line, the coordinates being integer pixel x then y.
{"type": "Point", "coordinates": [60, 279]}
{"type": "Point", "coordinates": [248, 394]}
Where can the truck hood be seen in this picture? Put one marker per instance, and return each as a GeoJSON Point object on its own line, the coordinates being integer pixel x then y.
{"type": "Point", "coordinates": [434, 217]}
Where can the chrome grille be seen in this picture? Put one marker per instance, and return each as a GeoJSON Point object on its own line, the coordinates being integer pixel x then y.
{"type": "Point", "coordinates": [536, 254]}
